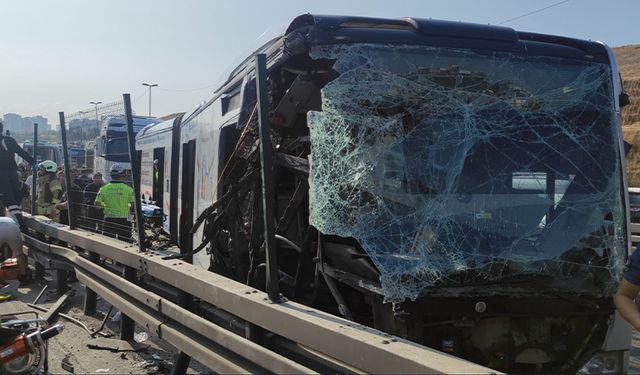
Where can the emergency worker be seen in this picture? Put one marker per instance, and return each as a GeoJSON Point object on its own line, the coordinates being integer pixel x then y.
{"type": "Point", "coordinates": [89, 198]}
{"type": "Point", "coordinates": [115, 198]}
{"type": "Point", "coordinates": [76, 199]}
{"type": "Point", "coordinates": [84, 178]}
{"type": "Point", "coordinates": [9, 184]}
{"type": "Point", "coordinates": [49, 190]}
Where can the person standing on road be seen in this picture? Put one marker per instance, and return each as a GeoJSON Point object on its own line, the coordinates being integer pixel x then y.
{"type": "Point", "coordinates": [115, 198]}
{"type": "Point", "coordinates": [75, 193]}
{"type": "Point", "coordinates": [94, 213]}
{"type": "Point", "coordinates": [10, 193]}
{"type": "Point", "coordinates": [49, 190]}
{"type": "Point", "coordinates": [83, 178]}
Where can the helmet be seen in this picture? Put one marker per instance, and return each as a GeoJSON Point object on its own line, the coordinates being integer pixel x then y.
{"type": "Point", "coordinates": [116, 169]}
{"type": "Point", "coordinates": [49, 166]}
{"type": "Point", "coordinates": [10, 237]}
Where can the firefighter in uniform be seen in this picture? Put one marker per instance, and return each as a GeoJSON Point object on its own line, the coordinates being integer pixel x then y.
{"type": "Point", "coordinates": [49, 190]}
{"type": "Point", "coordinates": [10, 193]}
{"type": "Point", "coordinates": [115, 198]}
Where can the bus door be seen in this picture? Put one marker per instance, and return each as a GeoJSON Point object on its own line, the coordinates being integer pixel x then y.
{"type": "Point", "coordinates": [158, 176]}
{"type": "Point", "coordinates": [187, 198]}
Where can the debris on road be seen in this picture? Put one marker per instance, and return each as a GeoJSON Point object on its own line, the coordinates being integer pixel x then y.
{"type": "Point", "coordinates": [66, 364]}
{"type": "Point", "coordinates": [141, 336]}
{"type": "Point", "coordinates": [116, 345]}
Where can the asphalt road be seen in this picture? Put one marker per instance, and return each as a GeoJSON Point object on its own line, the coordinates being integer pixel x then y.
{"type": "Point", "coordinates": [72, 342]}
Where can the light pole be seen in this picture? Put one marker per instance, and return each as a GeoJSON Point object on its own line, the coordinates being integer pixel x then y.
{"type": "Point", "coordinates": [149, 85]}
{"type": "Point", "coordinates": [97, 120]}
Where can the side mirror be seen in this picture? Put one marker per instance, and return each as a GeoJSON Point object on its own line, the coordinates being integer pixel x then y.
{"type": "Point", "coordinates": [624, 100]}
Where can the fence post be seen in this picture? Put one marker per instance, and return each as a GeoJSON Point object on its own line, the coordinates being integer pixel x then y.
{"type": "Point", "coordinates": [135, 170]}
{"type": "Point", "coordinates": [39, 267]}
{"type": "Point", "coordinates": [273, 276]}
{"type": "Point", "coordinates": [127, 325]}
{"type": "Point", "coordinates": [34, 172]}
{"type": "Point", "coordinates": [67, 173]}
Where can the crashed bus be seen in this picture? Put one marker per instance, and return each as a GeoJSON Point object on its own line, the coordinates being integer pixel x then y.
{"type": "Point", "coordinates": [459, 185]}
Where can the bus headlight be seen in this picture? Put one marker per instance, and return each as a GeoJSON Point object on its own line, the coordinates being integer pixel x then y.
{"type": "Point", "coordinates": [603, 363]}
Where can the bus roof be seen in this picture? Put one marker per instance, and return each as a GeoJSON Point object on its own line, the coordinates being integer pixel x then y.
{"type": "Point", "coordinates": [157, 128]}
{"type": "Point", "coordinates": [322, 29]}
{"type": "Point", "coordinates": [309, 29]}
{"type": "Point", "coordinates": [115, 122]}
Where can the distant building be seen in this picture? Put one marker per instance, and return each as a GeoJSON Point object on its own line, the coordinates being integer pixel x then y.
{"type": "Point", "coordinates": [17, 124]}
{"type": "Point", "coordinates": [13, 122]}
{"type": "Point", "coordinates": [43, 123]}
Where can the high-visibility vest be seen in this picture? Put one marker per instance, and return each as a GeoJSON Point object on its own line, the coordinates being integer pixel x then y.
{"type": "Point", "coordinates": [115, 197]}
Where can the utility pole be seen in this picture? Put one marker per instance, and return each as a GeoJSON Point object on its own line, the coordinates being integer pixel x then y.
{"type": "Point", "coordinates": [149, 85]}
{"type": "Point", "coordinates": [97, 120]}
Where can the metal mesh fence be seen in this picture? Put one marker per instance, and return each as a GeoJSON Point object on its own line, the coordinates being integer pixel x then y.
{"type": "Point", "coordinates": [84, 126]}
{"type": "Point", "coordinates": [94, 216]}
{"type": "Point", "coordinates": [83, 130]}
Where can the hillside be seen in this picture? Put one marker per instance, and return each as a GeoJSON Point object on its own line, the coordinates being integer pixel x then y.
{"type": "Point", "coordinates": [628, 61]}
{"type": "Point", "coordinates": [628, 58]}
{"type": "Point", "coordinates": [629, 64]}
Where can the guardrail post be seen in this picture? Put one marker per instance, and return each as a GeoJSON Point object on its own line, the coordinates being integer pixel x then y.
{"type": "Point", "coordinates": [266, 162]}
{"type": "Point", "coordinates": [181, 364]}
{"type": "Point", "coordinates": [67, 173]}
{"type": "Point", "coordinates": [127, 325]}
{"type": "Point", "coordinates": [90, 297]}
{"type": "Point", "coordinates": [135, 170]}
{"type": "Point", "coordinates": [61, 281]}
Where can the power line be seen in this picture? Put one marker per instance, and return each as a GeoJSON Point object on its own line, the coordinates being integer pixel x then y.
{"type": "Point", "coordinates": [533, 12]}
{"type": "Point", "coordinates": [139, 96]}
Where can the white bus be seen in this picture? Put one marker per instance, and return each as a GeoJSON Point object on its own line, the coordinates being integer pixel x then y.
{"type": "Point", "coordinates": [459, 185]}
{"type": "Point", "coordinates": [111, 146]}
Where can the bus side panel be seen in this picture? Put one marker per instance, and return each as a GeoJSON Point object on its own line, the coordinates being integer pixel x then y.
{"type": "Point", "coordinates": [188, 132]}
{"type": "Point", "coordinates": [206, 172]}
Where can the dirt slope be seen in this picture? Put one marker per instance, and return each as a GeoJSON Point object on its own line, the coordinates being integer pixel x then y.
{"type": "Point", "coordinates": [628, 58]}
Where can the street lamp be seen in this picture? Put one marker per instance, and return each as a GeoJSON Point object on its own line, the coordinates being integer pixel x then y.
{"type": "Point", "coordinates": [97, 121]}
{"type": "Point", "coordinates": [149, 85]}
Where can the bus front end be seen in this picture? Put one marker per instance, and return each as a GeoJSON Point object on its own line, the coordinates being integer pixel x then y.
{"type": "Point", "coordinates": [483, 179]}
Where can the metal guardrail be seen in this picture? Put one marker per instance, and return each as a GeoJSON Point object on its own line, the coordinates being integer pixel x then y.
{"type": "Point", "coordinates": [344, 344]}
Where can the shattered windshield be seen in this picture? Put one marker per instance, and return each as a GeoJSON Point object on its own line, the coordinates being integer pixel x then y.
{"type": "Point", "coordinates": [452, 166]}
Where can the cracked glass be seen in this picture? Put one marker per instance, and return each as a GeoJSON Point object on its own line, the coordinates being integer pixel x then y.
{"type": "Point", "coordinates": [455, 167]}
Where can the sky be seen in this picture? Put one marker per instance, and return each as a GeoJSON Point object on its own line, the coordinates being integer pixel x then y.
{"type": "Point", "coordinates": [60, 55]}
